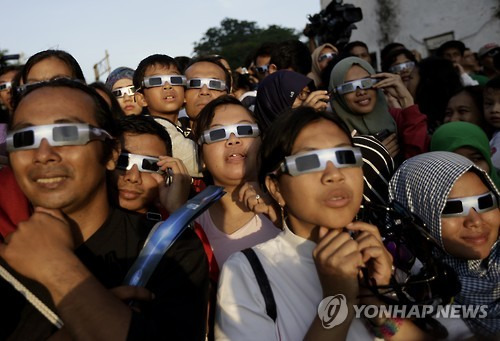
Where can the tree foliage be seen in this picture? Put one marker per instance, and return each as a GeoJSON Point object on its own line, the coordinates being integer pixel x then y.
{"type": "Point", "coordinates": [237, 40]}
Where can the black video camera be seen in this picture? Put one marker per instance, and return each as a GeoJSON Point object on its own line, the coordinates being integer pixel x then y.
{"type": "Point", "coordinates": [334, 24]}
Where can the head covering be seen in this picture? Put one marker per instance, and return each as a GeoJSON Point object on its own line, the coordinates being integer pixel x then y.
{"type": "Point", "coordinates": [451, 44]}
{"type": "Point", "coordinates": [378, 168]}
{"type": "Point", "coordinates": [366, 124]}
{"type": "Point", "coordinates": [117, 74]}
{"type": "Point", "coordinates": [487, 48]}
{"type": "Point", "coordinates": [453, 135]}
{"type": "Point", "coordinates": [315, 73]}
{"type": "Point", "coordinates": [422, 185]}
{"type": "Point", "coordinates": [276, 93]}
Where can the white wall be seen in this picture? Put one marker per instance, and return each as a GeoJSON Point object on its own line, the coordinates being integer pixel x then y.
{"type": "Point", "coordinates": [472, 22]}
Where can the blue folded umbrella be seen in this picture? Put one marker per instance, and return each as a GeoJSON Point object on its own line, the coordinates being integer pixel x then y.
{"type": "Point", "coordinates": [163, 235]}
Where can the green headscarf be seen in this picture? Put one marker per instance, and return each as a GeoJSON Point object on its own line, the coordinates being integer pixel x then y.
{"type": "Point", "coordinates": [453, 135]}
{"type": "Point", "coordinates": [365, 124]}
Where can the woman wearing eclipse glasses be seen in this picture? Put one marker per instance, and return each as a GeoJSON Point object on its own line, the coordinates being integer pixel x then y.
{"type": "Point", "coordinates": [358, 98]}
{"type": "Point", "coordinates": [312, 170]}
{"type": "Point", "coordinates": [458, 203]}
{"type": "Point", "coordinates": [229, 139]}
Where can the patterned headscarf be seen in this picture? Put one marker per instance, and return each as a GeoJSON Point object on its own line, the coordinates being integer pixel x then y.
{"type": "Point", "coordinates": [422, 184]}
{"type": "Point", "coordinates": [367, 124]}
{"type": "Point", "coordinates": [117, 74]}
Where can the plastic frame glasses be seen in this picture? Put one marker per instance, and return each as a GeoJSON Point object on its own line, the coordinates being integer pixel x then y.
{"type": "Point", "coordinates": [64, 134]}
{"type": "Point", "coordinates": [316, 161]}
{"type": "Point", "coordinates": [262, 68]}
{"type": "Point", "coordinates": [328, 56]}
{"type": "Point", "coordinates": [223, 133]}
{"type": "Point", "coordinates": [5, 86]}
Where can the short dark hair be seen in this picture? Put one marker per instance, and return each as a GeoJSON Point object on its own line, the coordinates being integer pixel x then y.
{"type": "Point", "coordinates": [142, 124]}
{"type": "Point", "coordinates": [182, 63]}
{"type": "Point", "coordinates": [493, 83]}
{"type": "Point", "coordinates": [354, 44]}
{"type": "Point", "coordinates": [281, 135]}
{"type": "Point", "coordinates": [155, 59]}
{"type": "Point", "coordinates": [214, 60]}
{"type": "Point", "coordinates": [64, 56]}
{"type": "Point", "coordinates": [102, 111]}
{"type": "Point", "coordinates": [264, 50]}
{"type": "Point", "coordinates": [392, 56]}
{"type": "Point", "coordinates": [389, 48]}
{"type": "Point", "coordinates": [292, 54]}
{"type": "Point", "coordinates": [8, 68]}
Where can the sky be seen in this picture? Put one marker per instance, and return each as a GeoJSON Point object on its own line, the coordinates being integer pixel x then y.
{"type": "Point", "coordinates": [132, 30]}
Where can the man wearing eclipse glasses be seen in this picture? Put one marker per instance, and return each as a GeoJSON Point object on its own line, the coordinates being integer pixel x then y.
{"type": "Point", "coordinates": [71, 256]}
{"type": "Point", "coordinates": [206, 79]}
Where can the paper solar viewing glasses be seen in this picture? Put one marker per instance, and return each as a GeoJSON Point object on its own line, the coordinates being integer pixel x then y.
{"type": "Point", "coordinates": [316, 160]}
{"type": "Point", "coordinates": [62, 134]}
{"type": "Point", "coordinates": [223, 133]}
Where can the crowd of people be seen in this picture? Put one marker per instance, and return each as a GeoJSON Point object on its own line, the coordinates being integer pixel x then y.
{"type": "Point", "coordinates": [309, 147]}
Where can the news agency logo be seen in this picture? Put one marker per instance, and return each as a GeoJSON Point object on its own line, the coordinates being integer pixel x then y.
{"type": "Point", "coordinates": [333, 310]}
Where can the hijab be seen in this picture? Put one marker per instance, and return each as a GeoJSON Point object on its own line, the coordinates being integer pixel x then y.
{"type": "Point", "coordinates": [315, 73]}
{"type": "Point", "coordinates": [276, 93]}
{"type": "Point", "coordinates": [365, 124]}
{"type": "Point", "coordinates": [422, 185]}
{"type": "Point", "coordinates": [453, 135]}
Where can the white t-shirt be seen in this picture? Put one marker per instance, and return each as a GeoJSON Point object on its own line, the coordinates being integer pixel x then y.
{"type": "Point", "coordinates": [258, 230]}
{"type": "Point", "coordinates": [288, 263]}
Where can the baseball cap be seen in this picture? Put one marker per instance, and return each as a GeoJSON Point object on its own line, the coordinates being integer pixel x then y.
{"type": "Point", "coordinates": [487, 48]}
{"type": "Point", "coordinates": [456, 44]}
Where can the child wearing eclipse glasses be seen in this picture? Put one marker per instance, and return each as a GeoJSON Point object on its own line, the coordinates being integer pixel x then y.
{"type": "Point", "coordinates": [160, 91]}
{"type": "Point", "coordinates": [458, 203]}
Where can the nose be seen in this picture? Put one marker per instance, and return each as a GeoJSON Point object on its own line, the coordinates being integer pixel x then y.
{"type": "Point", "coordinates": [167, 86]}
{"type": "Point", "coordinates": [473, 220]}
{"type": "Point", "coordinates": [133, 175]}
{"type": "Point", "coordinates": [233, 140]}
{"type": "Point", "coordinates": [45, 153]}
{"type": "Point", "coordinates": [127, 98]}
{"type": "Point", "coordinates": [205, 91]}
{"type": "Point", "coordinates": [331, 174]}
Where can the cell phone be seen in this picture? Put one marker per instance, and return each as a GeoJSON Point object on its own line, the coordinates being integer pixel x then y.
{"type": "Point", "coordinates": [382, 135]}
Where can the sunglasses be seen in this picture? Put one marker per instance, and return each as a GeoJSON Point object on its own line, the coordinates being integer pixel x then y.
{"type": "Point", "coordinates": [460, 207]}
{"type": "Point", "coordinates": [144, 163]}
{"type": "Point", "coordinates": [126, 90]}
{"type": "Point", "coordinates": [262, 68]}
{"type": "Point", "coordinates": [365, 83]}
{"type": "Point", "coordinates": [223, 133]}
{"type": "Point", "coordinates": [402, 67]}
{"type": "Point", "coordinates": [153, 81]}
{"type": "Point", "coordinates": [64, 134]}
{"type": "Point", "coordinates": [5, 86]}
{"type": "Point", "coordinates": [211, 83]}
{"type": "Point", "coordinates": [328, 56]}
{"type": "Point", "coordinates": [317, 160]}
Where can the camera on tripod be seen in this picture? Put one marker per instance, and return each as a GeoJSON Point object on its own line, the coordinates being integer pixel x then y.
{"type": "Point", "coordinates": [334, 24]}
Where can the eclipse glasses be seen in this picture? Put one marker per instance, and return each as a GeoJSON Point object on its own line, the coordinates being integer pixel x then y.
{"type": "Point", "coordinates": [460, 207]}
{"type": "Point", "coordinates": [223, 133]}
{"type": "Point", "coordinates": [211, 83]}
{"type": "Point", "coordinates": [364, 84]}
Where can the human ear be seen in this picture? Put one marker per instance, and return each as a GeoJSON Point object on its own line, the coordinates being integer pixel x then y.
{"type": "Point", "coordinates": [113, 160]}
{"type": "Point", "coordinates": [272, 68]}
{"type": "Point", "coordinates": [272, 186]}
{"type": "Point", "coordinates": [140, 99]}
